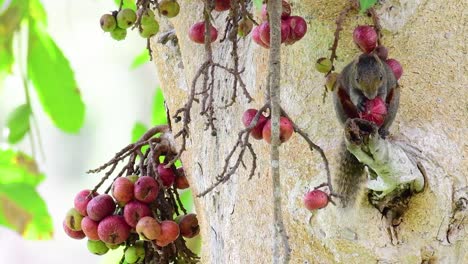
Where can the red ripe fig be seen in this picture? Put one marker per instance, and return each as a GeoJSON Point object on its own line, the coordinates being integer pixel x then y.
{"type": "Point", "coordinates": [81, 201]}
{"type": "Point", "coordinates": [315, 199]}
{"type": "Point", "coordinates": [146, 189]}
{"type": "Point", "coordinates": [122, 190]}
{"type": "Point", "coordinates": [197, 33]}
{"type": "Point", "coordinates": [134, 211]}
{"type": "Point", "coordinates": [166, 175]}
{"type": "Point", "coordinates": [100, 206]}
{"type": "Point", "coordinates": [286, 130]}
{"type": "Point", "coordinates": [169, 233]}
{"type": "Point", "coordinates": [90, 227]}
{"type": "Point", "coordinates": [188, 225]}
{"type": "Point", "coordinates": [286, 11]}
{"type": "Point", "coordinates": [396, 68]}
{"type": "Point", "coordinates": [247, 118]}
{"type": "Point", "coordinates": [265, 32]}
{"type": "Point", "coordinates": [148, 228]}
{"type": "Point", "coordinates": [113, 230]}
{"type": "Point", "coordinates": [298, 29]}
{"type": "Point", "coordinates": [71, 233]}
{"type": "Point", "coordinates": [366, 38]}
{"type": "Point", "coordinates": [375, 111]}
{"type": "Point", "coordinates": [256, 37]}
{"type": "Point", "coordinates": [181, 181]}
{"type": "Point", "coordinates": [222, 5]}
{"type": "Point", "coordinates": [162, 243]}
{"type": "Point", "coordinates": [381, 52]}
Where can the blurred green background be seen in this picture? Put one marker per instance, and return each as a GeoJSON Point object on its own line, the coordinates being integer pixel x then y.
{"type": "Point", "coordinates": [88, 96]}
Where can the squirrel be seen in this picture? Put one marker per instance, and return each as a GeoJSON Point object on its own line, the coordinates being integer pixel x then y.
{"type": "Point", "coordinates": [363, 79]}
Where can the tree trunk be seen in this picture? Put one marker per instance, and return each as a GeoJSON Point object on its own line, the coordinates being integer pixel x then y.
{"type": "Point", "coordinates": [428, 38]}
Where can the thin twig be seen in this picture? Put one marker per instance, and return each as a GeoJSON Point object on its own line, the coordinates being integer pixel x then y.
{"type": "Point", "coordinates": [377, 26]}
{"type": "Point", "coordinates": [242, 143]}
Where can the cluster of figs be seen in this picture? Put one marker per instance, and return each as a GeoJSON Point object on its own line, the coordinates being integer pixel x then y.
{"type": "Point", "coordinates": [127, 217]}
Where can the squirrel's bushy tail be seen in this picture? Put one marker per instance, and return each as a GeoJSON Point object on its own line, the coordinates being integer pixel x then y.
{"type": "Point", "coordinates": [349, 178]}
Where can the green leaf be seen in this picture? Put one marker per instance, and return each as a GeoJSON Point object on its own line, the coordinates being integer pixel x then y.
{"type": "Point", "coordinates": [10, 21]}
{"type": "Point", "coordinates": [37, 12]}
{"type": "Point", "coordinates": [17, 167]}
{"type": "Point", "coordinates": [11, 18]}
{"type": "Point", "coordinates": [18, 123]}
{"type": "Point", "coordinates": [187, 200]}
{"type": "Point", "coordinates": [366, 4]}
{"type": "Point", "coordinates": [126, 4]}
{"type": "Point", "coordinates": [23, 210]}
{"type": "Point", "coordinates": [258, 4]}
{"type": "Point", "coordinates": [54, 81]}
{"type": "Point", "coordinates": [141, 59]}
{"type": "Point", "coordinates": [159, 111]}
{"type": "Point", "coordinates": [138, 130]}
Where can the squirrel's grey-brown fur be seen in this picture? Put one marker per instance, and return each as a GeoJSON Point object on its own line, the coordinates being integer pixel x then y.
{"type": "Point", "coordinates": [363, 79]}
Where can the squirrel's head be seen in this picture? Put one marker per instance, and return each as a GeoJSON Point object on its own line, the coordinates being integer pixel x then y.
{"type": "Point", "coordinates": [369, 74]}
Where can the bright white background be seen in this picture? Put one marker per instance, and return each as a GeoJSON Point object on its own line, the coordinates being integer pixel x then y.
{"type": "Point", "coordinates": [115, 98]}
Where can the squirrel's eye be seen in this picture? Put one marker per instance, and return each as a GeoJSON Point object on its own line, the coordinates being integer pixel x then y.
{"type": "Point", "coordinates": [381, 77]}
{"type": "Point", "coordinates": [357, 79]}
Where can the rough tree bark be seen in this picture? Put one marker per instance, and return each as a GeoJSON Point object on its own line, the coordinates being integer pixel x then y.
{"type": "Point", "coordinates": [428, 38]}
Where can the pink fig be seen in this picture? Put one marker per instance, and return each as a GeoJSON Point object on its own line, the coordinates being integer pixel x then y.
{"type": "Point", "coordinates": [100, 206]}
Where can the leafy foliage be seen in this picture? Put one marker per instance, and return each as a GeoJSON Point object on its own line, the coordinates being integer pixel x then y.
{"type": "Point", "coordinates": [138, 130]}
{"type": "Point", "coordinates": [159, 111]}
{"type": "Point", "coordinates": [18, 123]}
{"type": "Point", "coordinates": [23, 210]}
{"type": "Point", "coordinates": [21, 207]}
{"type": "Point", "coordinates": [10, 21]}
{"type": "Point", "coordinates": [126, 4]}
{"type": "Point", "coordinates": [141, 59]}
{"type": "Point", "coordinates": [366, 4]}
{"type": "Point", "coordinates": [59, 95]}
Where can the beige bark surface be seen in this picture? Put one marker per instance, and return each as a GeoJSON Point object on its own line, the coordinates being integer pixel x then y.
{"type": "Point", "coordinates": [429, 39]}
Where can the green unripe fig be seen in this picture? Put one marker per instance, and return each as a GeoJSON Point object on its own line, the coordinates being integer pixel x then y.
{"type": "Point", "coordinates": [132, 178]}
{"type": "Point", "coordinates": [140, 249]}
{"type": "Point", "coordinates": [134, 254]}
{"type": "Point", "coordinates": [97, 247]}
{"type": "Point", "coordinates": [169, 8]}
{"type": "Point", "coordinates": [331, 80]}
{"type": "Point", "coordinates": [73, 219]}
{"type": "Point", "coordinates": [146, 16]}
{"type": "Point", "coordinates": [119, 33]}
{"type": "Point", "coordinates": [112, 246]}
{"type": "Point", "coordinates": [323, 65]}
{"type": "Point", "coordinates": [149, 30]}
{"type": "Point", "coordinates": [126, 18]}
{"type": "Point", "coordinates": [108, 22]}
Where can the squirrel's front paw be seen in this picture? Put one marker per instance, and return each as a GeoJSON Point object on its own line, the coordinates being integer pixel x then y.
{"type": "Point", "coordinates": [383, 133]}
{"type": "Point", "coordinates": [361, 106]}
